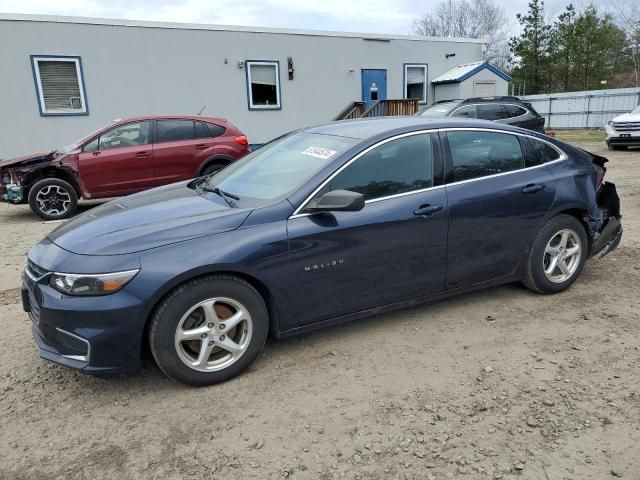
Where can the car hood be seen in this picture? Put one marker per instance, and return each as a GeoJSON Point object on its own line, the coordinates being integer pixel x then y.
{"type": "Point", "coordinates": [26, 160]}
{"type": "Point", "coordinates": [146, 220]}
{"type": "Point", "coordinates": [628, 117]}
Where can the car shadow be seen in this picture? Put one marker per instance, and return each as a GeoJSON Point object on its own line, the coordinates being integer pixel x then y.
{"type": "Point", "coordinates": [150, 378]}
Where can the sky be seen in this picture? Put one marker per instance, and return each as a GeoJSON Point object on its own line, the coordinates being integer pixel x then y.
{"type": "Point", "coordinates": [375, 16]}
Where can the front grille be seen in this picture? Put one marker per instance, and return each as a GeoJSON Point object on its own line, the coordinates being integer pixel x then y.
{"type": "Point", "coordinates": [35, 270]}
{"type": "Point", "coordinates": [34, 308]}
{"type": "Point", "coordinates": [627, 126]}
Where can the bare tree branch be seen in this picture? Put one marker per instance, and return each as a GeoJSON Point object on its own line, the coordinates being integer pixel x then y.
{"type": "Point", "coordinates": [470, 19]}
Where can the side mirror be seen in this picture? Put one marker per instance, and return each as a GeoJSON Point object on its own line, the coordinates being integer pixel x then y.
{"type": "Point", "coordinates": [337, 201]}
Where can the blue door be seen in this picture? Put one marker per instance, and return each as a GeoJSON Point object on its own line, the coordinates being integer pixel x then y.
{"type": "Point", "coordinates": [495, 207]}
{"type": "Point", "coordinates": [374, 85]}
{"type": "Point", "coordinates": [392, 250]}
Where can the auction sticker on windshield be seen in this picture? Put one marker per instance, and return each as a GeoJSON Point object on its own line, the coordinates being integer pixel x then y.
{"type": "Point", "coordinates": [319, 152]}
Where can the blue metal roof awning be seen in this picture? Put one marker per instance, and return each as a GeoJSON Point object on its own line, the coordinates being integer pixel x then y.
{"type": "Point", "coordinates": [462, 72]}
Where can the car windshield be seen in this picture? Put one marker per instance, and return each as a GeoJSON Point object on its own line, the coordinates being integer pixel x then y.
{"type": "Point", "coordinates": [277, 168]}
{"type": "Point", "coordinates": [636, 110]}
{"type": "Point", "coordinates": [436, 110]}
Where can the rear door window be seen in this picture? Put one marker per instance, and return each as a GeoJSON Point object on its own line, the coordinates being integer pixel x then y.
{"type": "Point", "coordinates": [476, 154]}
{"type": "Point", "coordinates": [174, 130]}
{"type": "Point", "coordinates": [202, 131]}
{"type": "Point", "coordinates": [492, 111]}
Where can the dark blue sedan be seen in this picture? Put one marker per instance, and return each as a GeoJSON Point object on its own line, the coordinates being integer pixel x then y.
{"type": "Point", "coordinates": [318, 227]}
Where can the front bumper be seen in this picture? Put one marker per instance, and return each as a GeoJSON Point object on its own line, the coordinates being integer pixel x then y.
{"type": "Point", "coordinates": [12, 193]}
{"type": "Point", "coordinates": [621, 138]}
{"type": "Point", "coordinates": [97, 335]}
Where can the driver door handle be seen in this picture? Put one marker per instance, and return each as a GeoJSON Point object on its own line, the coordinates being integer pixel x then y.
{"type": "Point", "coordinates": [533, 188]}
{"type": "Point", "coordinates": [427, 210]}
{"type": "Point", "coordinates": [143, 154]}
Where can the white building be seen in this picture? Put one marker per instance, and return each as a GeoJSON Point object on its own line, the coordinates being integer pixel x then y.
{"type": "Point", "coordinates": [476, 79]}
{"type": "Point", "coordinates": [63, 77]}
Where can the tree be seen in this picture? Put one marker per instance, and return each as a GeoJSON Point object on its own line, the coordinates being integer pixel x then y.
{"type": "Point", "coordinates": [628, 19]}
{"type": "Point", "coordinates": [531, 48]}
{"type": "Point", "coordinates": [600, 49]}
{"type": "Point", "coordinates": [562, 45]}
{"type": "Point", "coordinates": [470, 19]}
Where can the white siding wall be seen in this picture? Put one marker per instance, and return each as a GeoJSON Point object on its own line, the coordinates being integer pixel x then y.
{"type": "Point", "coordinates": [136, 70]}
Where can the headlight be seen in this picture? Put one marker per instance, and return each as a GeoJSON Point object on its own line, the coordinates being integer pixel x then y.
{"type": "Point", "coordinates": [610, 123]}
{"type": "Point", "coordinates": [90, 284]}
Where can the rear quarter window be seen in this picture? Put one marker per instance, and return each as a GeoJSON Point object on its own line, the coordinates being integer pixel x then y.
{"type": "Point", "coordinates": [540, 152]}
{"type": "Point", "coordinates": [215, 130]}
{"type": "Point", "coordinates": [515, 110]}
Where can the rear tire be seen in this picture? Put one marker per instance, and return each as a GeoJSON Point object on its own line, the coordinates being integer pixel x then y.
{"type": "Point", "coordinates": [208, 330]}
{"type": "Point", "coordinates": [557, 255]}
{"type": "Point", "coordinates": [53, 199]}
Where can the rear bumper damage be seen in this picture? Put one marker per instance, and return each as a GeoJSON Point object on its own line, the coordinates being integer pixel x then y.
{"type": "Point", "coordinates": [604, 221]}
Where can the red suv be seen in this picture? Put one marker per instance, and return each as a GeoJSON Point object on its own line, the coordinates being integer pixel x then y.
{"type": "Point", "coordinates": [124, 157]}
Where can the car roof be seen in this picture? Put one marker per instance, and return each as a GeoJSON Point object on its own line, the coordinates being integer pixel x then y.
{"type": "Point", "coordinates": [501, 99]}
{"type": "Point", "coordinates": [373, 127]}
{"type": "Point", "coordinates": [172, 117]}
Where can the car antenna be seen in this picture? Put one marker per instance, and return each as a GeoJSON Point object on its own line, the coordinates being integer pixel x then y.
{"type": "Point", "coordinates": [202, 109]}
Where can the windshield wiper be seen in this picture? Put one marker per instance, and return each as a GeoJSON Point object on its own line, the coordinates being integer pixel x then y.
{"type": "Point", "coordinates": [225, 195]}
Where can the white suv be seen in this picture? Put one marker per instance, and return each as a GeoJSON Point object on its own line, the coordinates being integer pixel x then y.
{"type": "Point", "coordinates": [624, 130]}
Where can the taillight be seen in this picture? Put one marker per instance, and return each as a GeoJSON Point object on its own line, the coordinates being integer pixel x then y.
{"type": "Point", "coordinates": [242, 140]}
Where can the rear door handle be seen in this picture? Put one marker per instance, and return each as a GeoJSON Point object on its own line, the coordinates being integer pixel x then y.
{"type": "Point", "coordinates": [142, 154]}
{"type": "Point", "coordinates": [427, 210]}
{"type": "Point", "coordinates": [201, 146]}
{"type": "Point", "coordinates": [533, 188]}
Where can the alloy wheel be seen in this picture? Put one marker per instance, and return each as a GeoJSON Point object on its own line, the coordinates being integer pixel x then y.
{"type": "Point", "coordinates": [562, 256]}
{"type": "Point", "coordinates": [53, 200]}
{"type": "Point", "coordinates": [213, 334]}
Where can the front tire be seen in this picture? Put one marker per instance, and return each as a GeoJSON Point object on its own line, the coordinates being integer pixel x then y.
{"type": "Point", "coordinates": [557, 255]}
{"type": "Point", "coordinates": [53, 199]}
{"type": "Point", "coordinates": [208, 330]}
{"type": "Point", "coordinates": [213, 168]}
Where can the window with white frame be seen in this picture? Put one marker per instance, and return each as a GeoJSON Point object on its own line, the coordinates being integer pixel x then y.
{"type": "Point", "coordinates": [59, 85]}
{"type": "Point", "coordinates": [415, 82]}
{"type": "Point", "coordinates": [263, 85]}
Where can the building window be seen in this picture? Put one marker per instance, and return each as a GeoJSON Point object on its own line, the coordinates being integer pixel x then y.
{"type": "Point", "coordinates": [59, 85]}
{"type": "Point", "coordinates": [415, 82]}
{"type": "Point", "coordinates": [263, 85]}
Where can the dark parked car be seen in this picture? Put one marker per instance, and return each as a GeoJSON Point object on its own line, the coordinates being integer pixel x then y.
{"type": "Point", "coordinates": [318, 227]}
{"type": "Point", "coordinates": [125, 157]}
{"type": "Point", "coordinates": [507, 110]}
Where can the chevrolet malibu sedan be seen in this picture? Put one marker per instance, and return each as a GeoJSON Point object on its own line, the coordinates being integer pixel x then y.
{"type": "Point", "coordinates": [318, 227]}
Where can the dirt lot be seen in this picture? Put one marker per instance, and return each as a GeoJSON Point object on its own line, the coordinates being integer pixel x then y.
{"type": "Point", "coordinates": [497, 384]}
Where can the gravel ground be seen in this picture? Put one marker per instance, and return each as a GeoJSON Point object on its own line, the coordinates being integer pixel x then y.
{"type": "Point", "coordinates": [501, 383]}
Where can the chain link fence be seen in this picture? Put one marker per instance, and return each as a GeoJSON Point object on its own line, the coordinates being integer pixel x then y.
{"type": "Point", "coordinates": [584, 110]}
